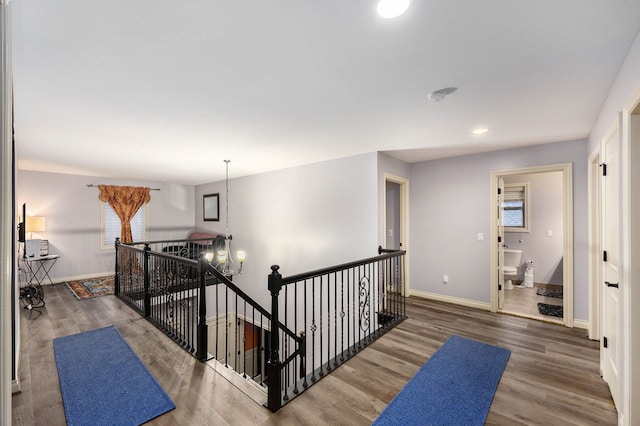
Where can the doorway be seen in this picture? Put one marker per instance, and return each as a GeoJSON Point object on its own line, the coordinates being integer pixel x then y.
{"type": "Point", "coordinates": [555, 265]}
{"type": "Point", "coordinates": [395, 226]}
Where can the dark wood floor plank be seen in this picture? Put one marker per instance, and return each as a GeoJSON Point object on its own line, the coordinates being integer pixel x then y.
{"type": "Point", "coordinates": [551, 378]}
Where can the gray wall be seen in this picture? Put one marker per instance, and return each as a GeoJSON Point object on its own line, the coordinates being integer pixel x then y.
{"type": "Point", "coordinates": [73, 222]}
{"type": "Point", "coordinates": [450, 206]}
{"type": "Point", "coordinates": [301, 218]}
{"type": "Point", "coordinates": [627, 81]}
{"type": "Point", "coordinates": [545, 208]}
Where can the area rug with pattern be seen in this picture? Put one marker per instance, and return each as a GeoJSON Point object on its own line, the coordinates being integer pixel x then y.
{"type": "Point", "coordinates": [549, 292]}
{"type": "Point", "coordinates": [92, 287]}
{"type": "Point", "coordinates": [551, 310]}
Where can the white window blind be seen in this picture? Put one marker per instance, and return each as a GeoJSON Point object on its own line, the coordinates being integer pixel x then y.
{"type": "Point", "coordinates": [515, 207]}
{"type": "Point", "coordinates": [111, 225]}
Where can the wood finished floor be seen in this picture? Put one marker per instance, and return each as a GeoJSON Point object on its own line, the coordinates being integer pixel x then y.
{"type": "Point", "coordinates": [551, 378]}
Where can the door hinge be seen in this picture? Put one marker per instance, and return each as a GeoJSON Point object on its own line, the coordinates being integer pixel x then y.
{"type": "Point", "coordinates": [604, 168]}
{"type": "Point", "coordinates": [499, 239]}
{"type": "Point", "coordinates": [604, 256]}
{"type": "Point", "coordinates": [605, 342]}
{"type": "Point", "coordinates": [499, 287]}
{"type": "Point", "coordinates": [499, 191]}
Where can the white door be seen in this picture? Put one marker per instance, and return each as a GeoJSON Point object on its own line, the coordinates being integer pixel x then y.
{"type": "Point", "coordinates": [611, 313]}
{"type": "Point", "coordinates": [500, 225]}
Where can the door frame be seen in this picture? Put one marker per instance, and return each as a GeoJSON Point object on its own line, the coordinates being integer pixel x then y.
{"type": "Point", "coordinates": [630, 251]}
{"type": "Point", "coordinates": [404, 221]}
{"type": "Point", "coordinates": [595, 246]}
{"type": "Point", "coordinates": [567, 223]}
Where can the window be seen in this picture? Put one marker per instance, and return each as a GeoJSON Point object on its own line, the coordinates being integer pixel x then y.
{"type": "Point", "coordinates": [111, 225]}
{"type": "Point", "coordinates": [516, 207]}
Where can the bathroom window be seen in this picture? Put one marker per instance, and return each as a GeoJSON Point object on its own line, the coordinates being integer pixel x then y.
{"type": "Point", "coordinates": [515, 207]}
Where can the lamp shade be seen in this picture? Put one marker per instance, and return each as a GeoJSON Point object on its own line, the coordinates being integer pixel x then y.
{"type": "Point", "coordinates": [35, 224]}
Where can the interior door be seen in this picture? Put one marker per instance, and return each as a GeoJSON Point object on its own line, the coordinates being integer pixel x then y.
{"type": "Point", "coordinates": [500, 225]}
{"type": "Point", "coordinates": [611, 313]}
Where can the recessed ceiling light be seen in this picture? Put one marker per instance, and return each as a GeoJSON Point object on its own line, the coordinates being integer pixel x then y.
{"type": "Point", "coordinates": [479, 131]}
{"type": "Point", "coordinates": [389, 9]}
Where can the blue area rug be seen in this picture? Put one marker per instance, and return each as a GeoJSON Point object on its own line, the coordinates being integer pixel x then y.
{"type": "Point", "coordinates": [103, 382]}
{"type": "Point", "coordinates": [455, 387]}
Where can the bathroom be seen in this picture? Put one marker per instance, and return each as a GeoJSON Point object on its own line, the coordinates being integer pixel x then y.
{"type": "Point", "coordinates": [534, 207]}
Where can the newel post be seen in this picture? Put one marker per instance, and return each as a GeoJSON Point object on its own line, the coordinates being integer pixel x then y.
{"type": "Point", "coordinates": [203, 332]}
{"type": "Point", "coordinates": [116, 282]}
{"type": "Point", "coordinates": [147, 294]}
{"type": "Point", "coordinates": [274, 367]}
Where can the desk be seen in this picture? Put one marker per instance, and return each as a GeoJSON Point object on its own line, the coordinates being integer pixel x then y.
{"type": "Point", "coordinates": [38, 268]}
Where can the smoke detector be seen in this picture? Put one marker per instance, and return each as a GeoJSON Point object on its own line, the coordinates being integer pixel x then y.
{"type": "Point", "coordinates": [439, 95]}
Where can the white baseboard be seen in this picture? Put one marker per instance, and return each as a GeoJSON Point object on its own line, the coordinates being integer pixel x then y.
{"type": "Point", "coordinates": [580, 324]}
{"type": "Point", "coordinates": [450, 299]}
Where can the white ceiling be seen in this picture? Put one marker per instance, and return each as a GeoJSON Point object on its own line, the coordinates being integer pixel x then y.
{"type": "Point", "coordinates": [163, 90]}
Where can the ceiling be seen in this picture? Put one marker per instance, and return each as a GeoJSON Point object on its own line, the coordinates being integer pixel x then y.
{"type": "Point", "coordinates": [165, 91]}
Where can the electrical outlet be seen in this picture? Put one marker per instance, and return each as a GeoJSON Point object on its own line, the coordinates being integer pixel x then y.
{"type": "Point", "coordinates": [445, 279]}
{"type": "Point", "coordinates": [391, 232]}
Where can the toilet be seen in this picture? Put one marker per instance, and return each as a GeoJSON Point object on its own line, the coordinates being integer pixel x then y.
{"type": "Point", "coordinates": [512, 259]}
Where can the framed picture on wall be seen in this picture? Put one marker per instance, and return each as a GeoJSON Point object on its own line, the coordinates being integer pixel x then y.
{"type": "Point", "coordinates": [211, 207]}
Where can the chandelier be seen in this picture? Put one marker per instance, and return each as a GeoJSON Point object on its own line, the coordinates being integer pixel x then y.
{"type": "Point", "coordinates": [225, 262]}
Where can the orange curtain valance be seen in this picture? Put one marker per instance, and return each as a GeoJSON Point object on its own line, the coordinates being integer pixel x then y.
{"type": "Point", "coordinates": [125, 201]}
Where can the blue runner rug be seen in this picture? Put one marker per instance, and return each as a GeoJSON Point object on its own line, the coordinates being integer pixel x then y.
{"type": "Point", "coordinates": [454, 387]}
{"type": "Point", "coordinates": [103, 382]}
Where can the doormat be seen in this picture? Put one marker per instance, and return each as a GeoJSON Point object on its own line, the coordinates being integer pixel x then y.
{"type": "Point", "coordinates": [550, 310]}
{"type": "Point", "coordinates": [455, 387]}
{"type": "Point", "coordinates": [103, 382]}
{"type": "Point", "coordinates": [548, 292]}
{"type": "Point", "coordinates": [93, 287]}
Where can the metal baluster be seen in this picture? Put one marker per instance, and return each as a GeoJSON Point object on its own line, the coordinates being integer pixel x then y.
{"type": "Point", "coordinates": [226, 327]}
{"type": "Point", "coordinates": [254, 345]}
{"type": "Point", "coordinates": [236, 337]}
{"type": "Point", "coordinates": [285, 341]}
{"type": "Point", "coordinates": [313, 329]}
{"type": "Point", "coordinates": [335, 318]}
{"type": "Point", "coordinates": [328, 323]}
{"type": "Point", "coordinates": [217, 323]}
{"type": "Point", "coordinates": [349, 304]}
{"type": "Point", "coordinates": [296, 346]}
{"type": "Point", "coordinates": [321, 328]}
{"type": "Point", "coordinates": [304, 334]}
{"type": "Point", "coordinates": [342, 314]}
{"type": "Point", "coordinates": [244, 341]}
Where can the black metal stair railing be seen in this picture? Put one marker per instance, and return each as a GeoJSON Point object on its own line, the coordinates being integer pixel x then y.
{"type": "Point", "coordinates": [324, 316]}
{"type": "Point", "coordinates": [176, 293]}
{"type": "Point", "coordinates": [338, 311]}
